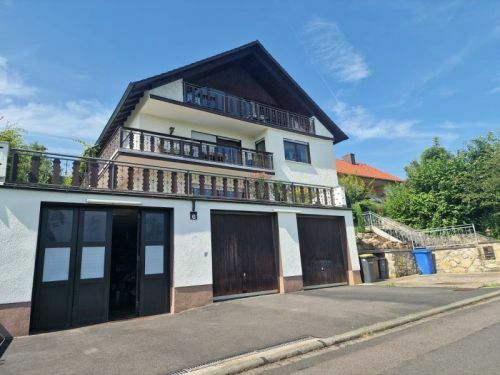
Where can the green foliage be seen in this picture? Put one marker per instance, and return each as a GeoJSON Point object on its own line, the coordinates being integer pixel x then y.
{"type": "Point", "coordinates": [445, 189]}
{"type": "Point", "coordinates": [356, 189]}
{"type": "Point", "coordinates": [12, 135]}
{"type": "Point", "coordinates": [89, 150]}
{"type": "Point", "coordinates": [15, 137]}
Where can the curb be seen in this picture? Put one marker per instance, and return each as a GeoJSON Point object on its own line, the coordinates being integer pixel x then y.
{"type": "Point", "coordinates": [261, 358]}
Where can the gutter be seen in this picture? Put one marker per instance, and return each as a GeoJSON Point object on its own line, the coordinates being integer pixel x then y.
{"type": "Point", "coordinates": [124, 97]}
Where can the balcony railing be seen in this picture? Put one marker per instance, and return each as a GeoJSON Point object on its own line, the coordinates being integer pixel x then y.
{"type": "Point", "coordinates": [219, 101]}
{"type": "Point", "coordinates": [186, 148]}
{"type": "Point", "coordinates": [54, 171]}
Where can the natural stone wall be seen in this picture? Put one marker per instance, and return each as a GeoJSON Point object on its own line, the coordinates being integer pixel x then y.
{"type": "Point", "coordinates": [370, 240]}
{"type": "Point", "coordinates": [467, 259]}
{"type": "Point", "coordinates": [400, 263]}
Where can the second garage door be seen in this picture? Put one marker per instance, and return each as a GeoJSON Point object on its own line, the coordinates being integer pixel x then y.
{"type": "Point", "coordinates": [321, 250]}
{"type": "Point", "coordinates": [243, 253]}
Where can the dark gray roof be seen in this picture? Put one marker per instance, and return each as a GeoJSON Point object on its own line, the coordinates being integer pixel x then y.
{"type": "Point", "coordinates": [135, 90]}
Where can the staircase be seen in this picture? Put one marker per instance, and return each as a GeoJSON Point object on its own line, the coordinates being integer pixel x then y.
{"type": "Point", "coordinates": [458, 235]}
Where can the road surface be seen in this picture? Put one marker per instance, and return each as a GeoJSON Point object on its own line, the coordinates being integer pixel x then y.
{"type": "Point", "coordinates": [466, 341]}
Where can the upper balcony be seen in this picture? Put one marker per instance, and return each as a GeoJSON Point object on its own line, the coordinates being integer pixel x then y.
{"type": "Point", "coordinates": [248, 110]}
{"type": "Point", "coordinates": [142, 143]}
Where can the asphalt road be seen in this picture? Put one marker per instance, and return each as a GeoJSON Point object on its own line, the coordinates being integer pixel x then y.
{"type": "Point", "coordinates": [163, 344]}
{"type": "Point", "coordinates": [463, 342]}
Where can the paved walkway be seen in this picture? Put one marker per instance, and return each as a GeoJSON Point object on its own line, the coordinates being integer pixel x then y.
{"type": "Point", "coordinates": [447, 280]}
{"type": "Point", "coordinates": [166, 343]}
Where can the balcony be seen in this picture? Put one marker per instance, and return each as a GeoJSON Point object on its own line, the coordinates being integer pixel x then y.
{"type": "Point", "coordinates": [246, 109]}
{"type": "Point", "coordinates": [70, 173]}
{"type": "Point", "coordinates": [179, 148]}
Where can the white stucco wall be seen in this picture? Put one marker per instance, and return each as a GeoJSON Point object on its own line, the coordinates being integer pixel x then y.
{"type": "Point", "coordinates": [172, 90]}
{"type": "Point", "coordinates": [321, 170]}
{"type": "Point", "coordinates": [192, 255]}
{"type": "Point", "coordinates": [289, 243]}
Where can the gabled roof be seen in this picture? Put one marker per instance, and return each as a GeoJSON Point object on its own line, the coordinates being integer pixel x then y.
{"type": "Point", "coordinates": [364, 170]}
{"type": "Point", "coordinates": [135, 90]}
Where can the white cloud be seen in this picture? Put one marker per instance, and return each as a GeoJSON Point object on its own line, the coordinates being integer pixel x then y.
{"type": "Point", "coordinates": [358, 122]}
{"type": "Point", "coordinates": [488, 126]}
{"type": "Point", "coordinates": [11, 83]}
{"type": "Point", "coordinates": [73, 119]}
{"type": "Point", "coordinates": [330, 49]}
{"type": "Point", "coordinates": [494, 90]}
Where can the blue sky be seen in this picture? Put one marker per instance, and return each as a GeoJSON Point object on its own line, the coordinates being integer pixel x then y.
{"type": "Point", "coordinates": [392, 74]}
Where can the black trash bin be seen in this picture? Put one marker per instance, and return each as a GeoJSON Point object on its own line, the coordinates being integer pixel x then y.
{"type": "Point", "coordinates": [383, 267]}
{"type": "Point", "coordinates": [369, 268]}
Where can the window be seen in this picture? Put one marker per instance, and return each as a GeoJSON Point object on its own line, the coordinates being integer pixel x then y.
{"type": "Point", "coordinates": [260, 146]}
{"type": "Point", "coordinates": [297, 151]}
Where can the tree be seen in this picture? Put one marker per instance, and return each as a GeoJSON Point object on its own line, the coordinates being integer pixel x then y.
{"type": "Point", "coordinates": [15, 137]}
{"type": "Point", "coordinates": [356, 189]}
{"type": "Point", "coordinates": [445, 189]}
{"type": "Point", "coordinates": [357, 194]}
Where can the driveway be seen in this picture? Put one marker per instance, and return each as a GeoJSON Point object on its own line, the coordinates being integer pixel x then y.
{"type": "Point", "coordinates": [167, 343]}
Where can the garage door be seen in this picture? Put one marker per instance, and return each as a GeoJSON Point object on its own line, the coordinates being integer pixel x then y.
{"type": "Point", "coordinates": [243, 253]}
{"type": "Point", "coordinates": [321, 250]}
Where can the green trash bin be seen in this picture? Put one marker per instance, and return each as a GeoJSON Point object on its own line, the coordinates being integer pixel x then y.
{"type": "Point", "coordinates": [369, 268]}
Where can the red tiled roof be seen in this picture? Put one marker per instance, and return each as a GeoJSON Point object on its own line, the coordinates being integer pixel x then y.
{"type": "Point", "coordinates": [364, 170]}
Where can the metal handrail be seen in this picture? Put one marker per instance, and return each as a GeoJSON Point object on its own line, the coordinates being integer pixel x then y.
{"type": "Point", "coordinates": [220, 101]}
{"type": "Point", "coordinates": [450, 236]}
{"type": "Point", "coordinates": [147, 141]}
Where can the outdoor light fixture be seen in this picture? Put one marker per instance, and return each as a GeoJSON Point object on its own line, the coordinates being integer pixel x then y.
{"type": "Point", "coordinates": [171, 130]}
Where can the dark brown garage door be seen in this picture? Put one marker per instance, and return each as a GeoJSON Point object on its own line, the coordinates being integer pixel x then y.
{"type": "Point", "coordinates": [243, 253]}
{"type": "Point", "coordinates": [321, 250]}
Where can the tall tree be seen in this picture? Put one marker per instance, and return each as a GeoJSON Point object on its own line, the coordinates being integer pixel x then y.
{"type": "Point", "coordinates": [448, 189]}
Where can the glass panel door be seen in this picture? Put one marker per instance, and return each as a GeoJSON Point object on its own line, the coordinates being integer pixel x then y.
{"type": "Point", "coordinates": [153, 281]}
{"type": "Point", "coordinates": [91, 294]}
{"type": "Point", "coordinates": [53, 288]}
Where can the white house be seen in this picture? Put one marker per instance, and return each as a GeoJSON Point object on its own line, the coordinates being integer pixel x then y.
{"type": "Point", "coordinates": [215, 180]}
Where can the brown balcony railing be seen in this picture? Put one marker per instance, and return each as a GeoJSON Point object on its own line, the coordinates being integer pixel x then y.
{"type": "Point", "coordinates": [186, 148]}
{"type": "Point", "coordinates": [54, 171]}
{"type": "Point", "coordinates": [220, 101]}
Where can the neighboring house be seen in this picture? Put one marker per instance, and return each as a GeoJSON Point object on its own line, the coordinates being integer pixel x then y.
{"type": "Point", "coordinates": [214, 180]}
{"type": "Point", "coordinates": [378, 180]}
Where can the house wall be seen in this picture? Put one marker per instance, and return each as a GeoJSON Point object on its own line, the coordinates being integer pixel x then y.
{"type": "Point", "coordinates": [321, 171]}
{"type": "Point", "coordinates": [192, 258]}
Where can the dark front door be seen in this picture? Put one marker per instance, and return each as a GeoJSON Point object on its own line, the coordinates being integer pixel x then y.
{"type": "Point", "coordinates": [93, 258]}
{"type": "Point", "coordinates": [321, 250]}
{"type": "Point", "coordinates": [53, 297]}
{"type": "Point", "coordinates": [72, 277]}
{"type": "Point", "coordinates": [243, 253]}
{"type": "Point", "coordinates": [153, 265]}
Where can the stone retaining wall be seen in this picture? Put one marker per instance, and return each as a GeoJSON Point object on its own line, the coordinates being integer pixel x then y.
{"type": "Point", "coordinates": [467, 259]}
{"type": "Point", "coordinates": [401, 262]}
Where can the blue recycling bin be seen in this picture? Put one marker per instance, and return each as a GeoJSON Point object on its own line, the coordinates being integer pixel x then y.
{"type": "Point", "coordinates": [425, 264]}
